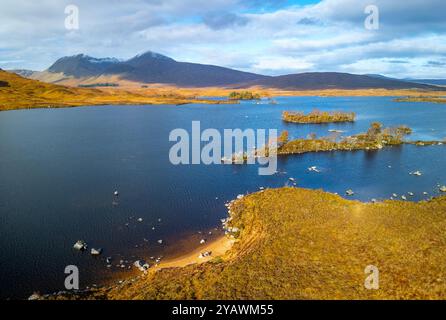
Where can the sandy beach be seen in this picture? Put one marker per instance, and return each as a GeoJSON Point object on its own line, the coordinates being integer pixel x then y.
{"type": "Point", "coordinates": [218, 247]}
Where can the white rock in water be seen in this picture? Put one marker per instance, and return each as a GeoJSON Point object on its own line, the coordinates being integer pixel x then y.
{"type": "Point", "coordinates": [34, 296]}
{"type": "Point", "coordinates": [202, 241]}
{"type": "Point", "coordinates": [80, 245]}
{"type": "Point", "coordinates": [160, 241]}
{"type": "Point", "coordinates": [349, 192]}
{"type": "Point", "coordinates": [95, 252]}
{"type": "Point", "coordinates": [141, 265]}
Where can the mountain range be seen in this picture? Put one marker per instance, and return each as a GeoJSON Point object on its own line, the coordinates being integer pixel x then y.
{"type": "Point", "coordinates": [155, 68]}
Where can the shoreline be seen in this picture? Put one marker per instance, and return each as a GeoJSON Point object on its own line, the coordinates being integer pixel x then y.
{"type": "Point", "coordinates": [24, 93]}
{"type": "Point", "coordinates": [398, 97]}
{"type": "Point", "coordinates": [218, 247]}
{"type": "Point", "coordinates": [268, 241]}
{"type": "Point", "coordinates": [265, 241]}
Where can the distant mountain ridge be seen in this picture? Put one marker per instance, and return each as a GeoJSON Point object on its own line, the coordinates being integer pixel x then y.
{"type": "Point", "coordinates": [154, 68]}
{"type": "Point", "coordinates": [335, 80]}
{"type": "Point", "coordinates": [436, 82]}
{"type": "Point", "coordinates": [23, 72]}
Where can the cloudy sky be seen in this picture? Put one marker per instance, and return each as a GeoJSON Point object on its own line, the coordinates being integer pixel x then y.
{"type": "Point", "coordinates": [269, 37]}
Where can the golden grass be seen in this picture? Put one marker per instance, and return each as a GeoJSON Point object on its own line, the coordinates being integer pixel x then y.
{"type": "Point", "coordinates": [271, 92]}
{"type": "Point", "coordinates": [26, 93]}
{"type": "Point", "coordinates": [316, 116]}
{"type": "Point", "coordinates": [309, 244]}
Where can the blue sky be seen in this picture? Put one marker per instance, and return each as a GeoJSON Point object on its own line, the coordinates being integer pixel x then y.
{"type": "Point", "coordinates": [264, 36]}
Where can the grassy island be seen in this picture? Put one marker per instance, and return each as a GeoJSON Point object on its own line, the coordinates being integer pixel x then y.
{"type": "Point", "coordinates": [244, 95]}
{"type": "Point", "coordinates": [375, 138]}
{"type": "Point", "coordinates": [308, 244]}
{"type": "Point", "coordinates": [316, 116]}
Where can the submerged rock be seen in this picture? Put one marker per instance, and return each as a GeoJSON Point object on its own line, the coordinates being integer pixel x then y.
{"type": "Point", "coordinates": [95, 252]}
{"type": "Point", "coordinates": [35, 296]}
{"type": "Point", "coordinates": [204, 254]}
{"type": "Point", "coordinates": [141, 265]}
{"type": "Point", "coordinates": [349, 192]}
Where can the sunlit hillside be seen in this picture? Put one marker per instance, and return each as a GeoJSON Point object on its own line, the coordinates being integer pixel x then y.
{"type": "Point", "coordinates": [17, 92]}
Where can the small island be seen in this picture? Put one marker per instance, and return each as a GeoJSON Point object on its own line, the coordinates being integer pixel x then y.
{"type": "Point", "coordinates": [317, 116]}
{"type": "Point", "coordinates": [244, 95]}
{"type": "Point", "coordinates": [375, 138]}
{"type": "Point", "coordinates": [431, 99]}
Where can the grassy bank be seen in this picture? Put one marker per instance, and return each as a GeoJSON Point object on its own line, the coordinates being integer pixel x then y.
{"type": "Point", "coordinates": [432, 99]}
{"type": "Point", "coordinates": [305, 244]}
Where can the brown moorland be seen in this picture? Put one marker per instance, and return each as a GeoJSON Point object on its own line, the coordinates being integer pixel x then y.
{"type": "Point", "coordinates": [17, 92]}
{"type": "Point", "coordinates": [308, 244]}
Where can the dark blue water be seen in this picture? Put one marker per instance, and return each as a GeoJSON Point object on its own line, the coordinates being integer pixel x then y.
{"type": "Point", "coordinates": [59, 168]}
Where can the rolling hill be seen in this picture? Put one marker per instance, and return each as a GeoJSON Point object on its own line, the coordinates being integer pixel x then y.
{"type": "Point", "coordinates": [154, 68]}
{"type": "Point", "coordinates": [334, 80]}
{"type": "Point", "coordinates": [436, 82]}
{"type": "Point", "coordinates": [17, 92]}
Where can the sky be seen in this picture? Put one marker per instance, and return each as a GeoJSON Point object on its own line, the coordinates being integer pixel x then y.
{"type": "Point", "coordinates": [264, 36]}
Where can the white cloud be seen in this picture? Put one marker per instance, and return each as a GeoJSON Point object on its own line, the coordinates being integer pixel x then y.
{"type": "Point", "coordinates": [280, 65]}
{"type": "Point", "coordinates": [328, 36]}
